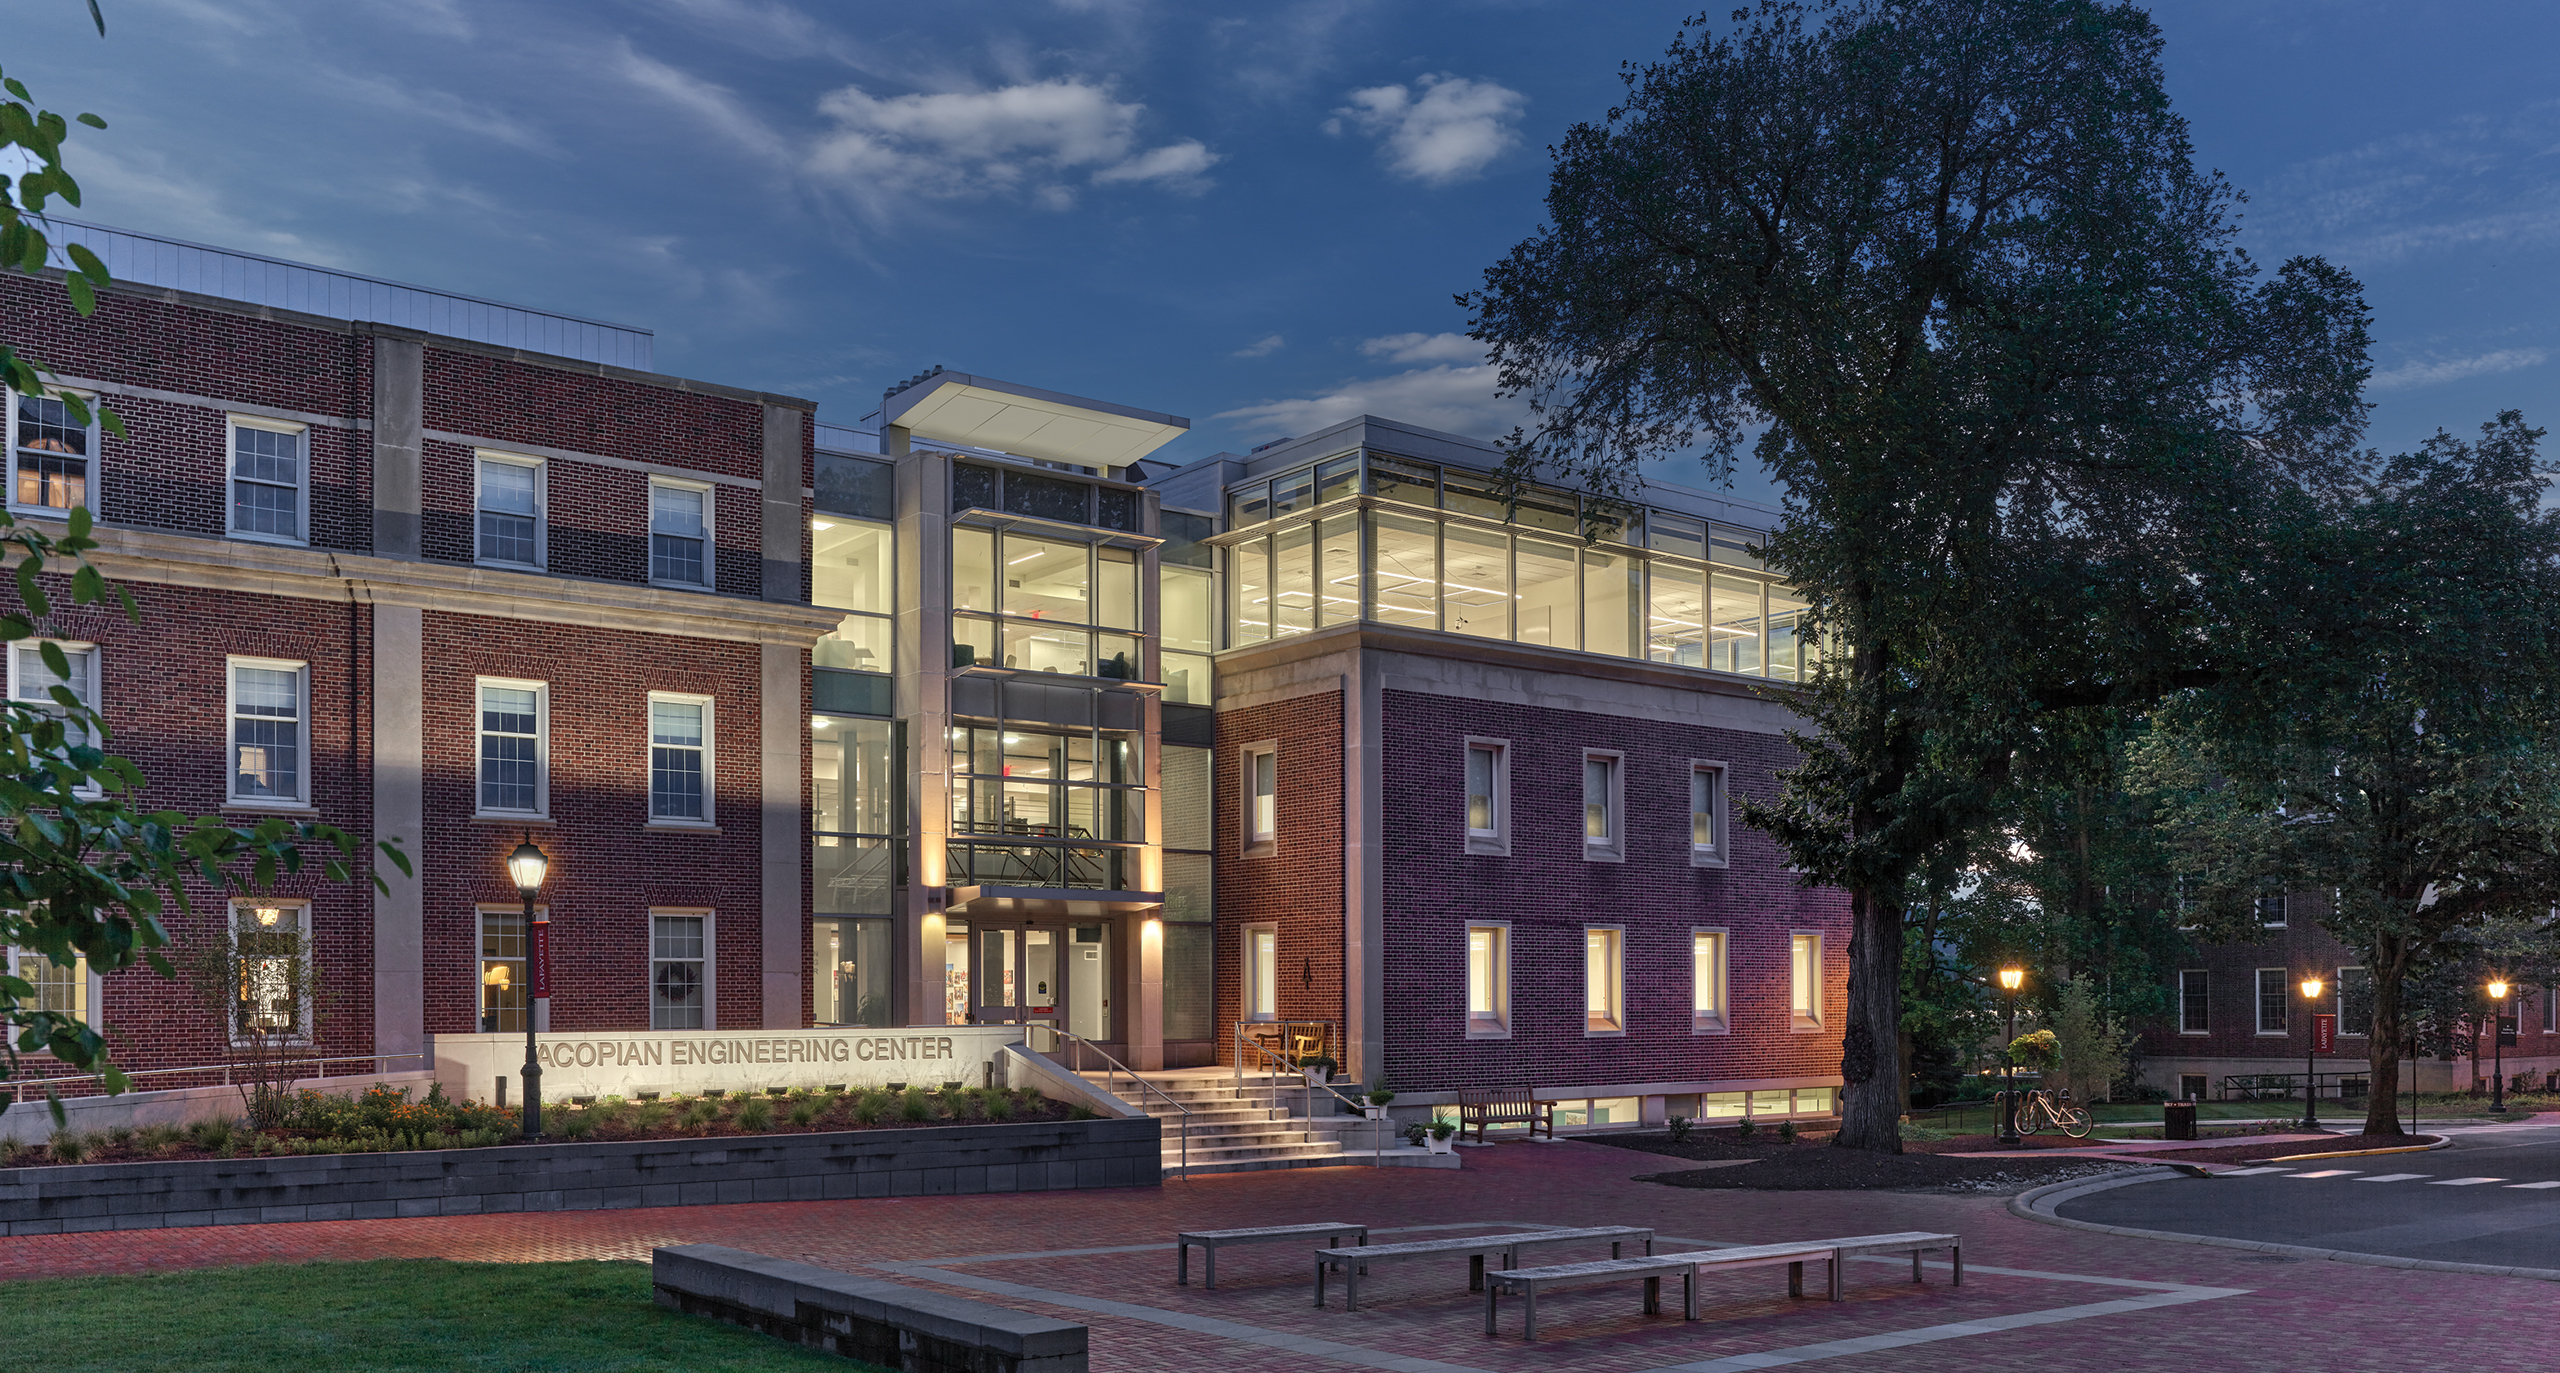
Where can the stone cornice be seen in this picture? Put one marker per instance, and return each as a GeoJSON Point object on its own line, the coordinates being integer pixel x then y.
{"type": "Point", "coordinates": [150, 556]}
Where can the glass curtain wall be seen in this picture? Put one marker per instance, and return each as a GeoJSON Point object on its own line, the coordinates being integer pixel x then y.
{"type": "Point", "coordinates": [1047, 805]}
{"type": "Point", "coordinates": [1654, 584]}
{"type": "Point", "coordinates": [1045, 604]}
{"type": "Point", "coordinates": [853, 560]}
{"type": "Point", "coordinates": [1187, 617]}
{"type": "Point", "coordinates": [1190, 894]}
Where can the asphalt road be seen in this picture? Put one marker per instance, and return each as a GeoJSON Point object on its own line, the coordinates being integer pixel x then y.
{"type": "Point", "coordinates": [2493, 1197]}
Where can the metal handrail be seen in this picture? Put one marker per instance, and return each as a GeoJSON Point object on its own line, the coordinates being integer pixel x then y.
{"type": "Point", "coordinates": [1112, 1080]}
{"type": "Point", "coordinates": [1378, 1144]}
{"type": "Point", "coordinates": [18, 1087]}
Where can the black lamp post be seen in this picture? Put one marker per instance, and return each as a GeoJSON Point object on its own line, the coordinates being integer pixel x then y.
{"type": "Point", "coordinates": [526, 866]}
{"type": "Point", "coordinates": [2311, 1085]}
{"type": "Point", "coordinates": [2011, 979]}
{"type": "Point", "coordinates": [2498, 1049]}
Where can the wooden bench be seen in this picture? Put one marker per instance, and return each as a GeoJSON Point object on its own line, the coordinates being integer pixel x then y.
{"type": "Point", "coordinates": [1210, 1240]}
{"type": "Point", "coordinates": [1504, 1106]}
{"type": "Point", "coordinates": [1795, 1255]}
{"type": "Point", "coordinates": [1475, 1247]}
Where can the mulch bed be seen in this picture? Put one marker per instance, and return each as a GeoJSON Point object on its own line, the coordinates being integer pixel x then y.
{"type": "Point", "coordinates": [1813, 1166]}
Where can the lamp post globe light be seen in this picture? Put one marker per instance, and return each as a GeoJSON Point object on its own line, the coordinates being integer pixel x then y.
{"type": "Point", "coordinates": [2310, 1085]}
{"type": "Point", "coordinates": [2498, 990]}
{"type": "Point", "coordinates": [2011, 979]}
{"type": "Point", "coordinates": [526, 867]}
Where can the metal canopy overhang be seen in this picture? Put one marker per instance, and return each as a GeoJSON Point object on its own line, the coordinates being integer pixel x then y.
{"type": "Point", "coordinates": [1063, 902]}
{"type": "Point", "coordinates": [982, 412]}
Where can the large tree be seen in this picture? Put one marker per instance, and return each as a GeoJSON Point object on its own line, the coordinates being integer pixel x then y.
{"type": "Point", "coordinates": [2396, 739]}
{"type": "Point", "coordinates": [1952, 262]}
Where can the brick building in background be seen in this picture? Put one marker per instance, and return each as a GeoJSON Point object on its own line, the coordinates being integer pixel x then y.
{"type": "Point", "coordinates": [451, 585]}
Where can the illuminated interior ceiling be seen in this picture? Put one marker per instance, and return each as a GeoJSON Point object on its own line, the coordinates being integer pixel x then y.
{"type": "Point", "coordinates": [981, 412]}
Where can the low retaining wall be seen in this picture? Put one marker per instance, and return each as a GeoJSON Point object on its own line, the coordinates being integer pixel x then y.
{"type": "Point", "coordinates": [862, 1318]}
{"type": "Point", "coordinates": [952, 1160]}
{"type": "Point", "coordinates": [31, 1120]}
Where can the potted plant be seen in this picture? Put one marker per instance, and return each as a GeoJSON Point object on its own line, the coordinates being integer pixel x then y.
{"type": "Point", "coordinates": [1377, 1107]}
{"type": "Point", "coordinates": [1318, 1068]}
{"type": "Point", "coordinates": [1443, 1139]}
{"type": "Point", "coordinates": [1416, 1133]}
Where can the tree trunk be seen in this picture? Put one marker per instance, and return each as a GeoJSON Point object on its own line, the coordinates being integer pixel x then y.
{"type": "Point", "coordinates": [1871, 1111]}
{"type": "Point", "coordinates": [2382, 1048]}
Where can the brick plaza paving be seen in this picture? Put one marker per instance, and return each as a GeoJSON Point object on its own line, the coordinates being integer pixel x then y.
{"type": "Point", "coordinates": [2033, 1295]}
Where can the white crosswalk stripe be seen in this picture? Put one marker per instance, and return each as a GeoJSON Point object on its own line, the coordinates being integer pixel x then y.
{"type": "Point", "coordinates": [2330, 1173]}
{"type": "Point", "coordinates": [2254, 1172]}
{"type": "Point", "coordinates": [2531, 1186]}
{"type": "Point", "coordinates": [2392, 1177]}
{"type": "Point", "coordinates": [2464, 1182]}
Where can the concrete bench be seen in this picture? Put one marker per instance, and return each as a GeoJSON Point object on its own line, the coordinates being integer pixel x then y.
{"type": "Point", "coordinates": [1795, 1255]}
{"type": "Point", "coordinates": [1912, 1242]}
{"type": "Point", "coordinates": [1528, 1282]}
{"type": "Point", "coordinates": [858, 1317]}
{"type": "Point", "coordinates": [1475, 1247]}
{"type": "Point", "coordinates": [1210, 1241]}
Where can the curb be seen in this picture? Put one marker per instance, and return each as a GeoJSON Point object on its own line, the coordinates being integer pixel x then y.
{"type": "Point", "coordinates": [2027, 1206]}
{"type": "Point", "coordinates": [2441, 1143]}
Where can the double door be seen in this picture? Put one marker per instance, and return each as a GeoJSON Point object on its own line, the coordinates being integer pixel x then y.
{"type": "Point", "coordinates": [1052, 973]}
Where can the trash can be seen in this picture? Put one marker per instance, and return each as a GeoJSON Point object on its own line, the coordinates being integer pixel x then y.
{"type": "Point", "coordinates": [2177, 1120]}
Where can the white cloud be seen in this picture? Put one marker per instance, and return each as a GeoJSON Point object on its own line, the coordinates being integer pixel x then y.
{"type": "Point", "coordinates": [1033, 139]}
{"type": "Point", "coordinates": [1443, 129]}
{"type": "Point", "coordinates": [2411, 374]}
{"type": "Point", "coordinates": [716, 107]}
{"type": "Point", "coordinates": [1459, 400]}
{"type": "Point", "coordinates": [1413, 348]}
{"type": "Point", "coordinates": [1263, 347]}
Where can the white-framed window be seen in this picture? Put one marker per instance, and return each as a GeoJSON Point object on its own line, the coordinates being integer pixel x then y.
{"type": "Point", "coordinates": [2194, 1015]}
{"type": "Point", "coordinates": [51, 455]}
{"type": "Point", "coordinates": [1260, 778]}
{"type": "Point", "coordinates": [2354, 1002]}
{"type": "Point", "coordinates": [1708, 1006]}
{"type": "Point", "coordinates": [515, 747]}
{"type": "Point", "coordinates": [1604, 980]}
{"type": "Point", "coordinates": [71, 991]}
{"type": "Point", "coordinates": [272, 948]}
{"type": "Point", "coordinates": [679, 532]}
{"type": "Point", "coordinates": [2271, 908]}
{"type": "Point", "coordinates": [33, 683]}
{"type": "Point", "coordinates": [1709, 844]}
{"type": "Point", "coordinates": [1262, 972]}
{"type": "Point", "coordinates": [270, 479]}
{"type": "Point", "coordinates": [1604, 809]}
{"type": "Point", "coordinates": [1489, 796]}
{"type": "Point", "coordinates": [1804, 980]}
{"type": "Point", "coordinates": [2275, 1000]}
{"type": "Point", "coordinates": [1488, 980]}
{"type": "Point", "coordinates": [679, 970]}
{"type": "Point", "coordinates": [510, 503]}
{"type": "Point", "coordinates": [270, 732]}
{"type": "Point", "coordinates": [2550, 1010]}
{"type": "Point", "coordinates": [506, 988]}
{"type": "Point", "coordinates": [680, 773]}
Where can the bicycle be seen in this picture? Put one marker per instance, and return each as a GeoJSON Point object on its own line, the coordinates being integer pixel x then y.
{"type": "Point", "coordinates": [2039, 1108]}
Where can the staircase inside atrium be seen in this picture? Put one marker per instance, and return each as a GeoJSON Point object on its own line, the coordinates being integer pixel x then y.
{"type": "Point", "coordinates": [1263, 1125]}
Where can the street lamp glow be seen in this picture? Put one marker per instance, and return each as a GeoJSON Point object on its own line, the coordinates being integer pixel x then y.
{"type": "Point", "coordinates": [2311, 988]}
{"type": "Point", "coordinates": [2498, 990]}
{"type": "Point", "coordinates": [526, 867]}
{"type": "Point", "coordinates": [2011, 979]}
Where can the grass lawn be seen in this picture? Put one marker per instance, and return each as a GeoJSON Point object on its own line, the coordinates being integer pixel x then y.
{"type": "Point", "coordinates": [404, 1314]}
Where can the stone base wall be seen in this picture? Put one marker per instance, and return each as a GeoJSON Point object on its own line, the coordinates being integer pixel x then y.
{"type": "Point", "coordinates": [958, 1160]}
{"type": "Point", "coordinates": [861, 1318]}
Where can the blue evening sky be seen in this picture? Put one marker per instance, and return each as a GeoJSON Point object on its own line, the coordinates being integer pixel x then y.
{"type": "Point", "coordinates": [1253, 215]}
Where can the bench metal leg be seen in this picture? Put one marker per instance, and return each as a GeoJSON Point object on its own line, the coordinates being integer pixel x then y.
{"type": "Point", "coordinates": [1955, 1256]}
{"type": "Point", "coordinates": [1209, 1262]}
{"type": "Point", "coordinates": [1491, 1292]}
{"type": "Point", "coordinates": [1320, 1267]}
{"type": "Point", "coordinates": [1915, 1267]}
{"type": "Point", "coordinates": [1839, 1276]}
{"type": "Point", "coordinates": [1182, 1264]}
{"type": "Point", "coordinates": [1475, 1272]}
{"type": "Point", "coordinates": [1653, 1295]}
{"type": "Point", "coordinates": [1689, 1295]}
{"type": "Point", "coordinates": [1529, 1316]}
{"type": "Point", "coordinates": [1795, 1279]}
{"type": "Point", "coordinates": [1351, 1286]}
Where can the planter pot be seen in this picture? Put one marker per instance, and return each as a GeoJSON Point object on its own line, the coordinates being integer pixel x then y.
{"type": "Point", "coordinates": [1437, 1145]}
{"type": "Point", "coordinates": [1374, 1112]}
{"type": "Point", "coordinates": [1317, 1077]}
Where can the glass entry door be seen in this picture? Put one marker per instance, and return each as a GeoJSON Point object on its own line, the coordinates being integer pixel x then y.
{"type": "Point", "coordinates": [1057, 975]}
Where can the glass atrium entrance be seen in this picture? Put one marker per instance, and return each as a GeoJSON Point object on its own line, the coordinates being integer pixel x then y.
{"type": "Point", "coordinates": [1050, 971]}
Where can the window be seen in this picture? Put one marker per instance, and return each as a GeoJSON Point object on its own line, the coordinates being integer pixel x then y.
{"type": "Point", "coordinates": [1707, 816]}
{"type": "Point", "coordinates": [1707, 981]}
{"type": "Point", "coordinates": [1488, 796]}
{"type": "Point", "coordinates": [49, 452]}
{"type": "Point", "coordinates": [514, 776]}
{"type": "Point", "coordinates": [2550, 1010]}
{"type": "Point", "coordinates": [1262, 972]}
{"type": "Point", "coordinates": [1057, 810]}
{"type": "Point", "coordinates": [1488, 981]}
{"type": "Point", "coordinates": [679, 759]}
{"type": "Point", "coordinates": [273, 952]}
{"type": "Point", "coordinates": [32, 682]}
{"type": "Point", "coordinates": [2355, 1002]}
{"type": "Point", "coordinates": [1604, 980]}
{"type": "Point", "coordinates": [267, 470]}
{"type": "Point", "coordinates": [2274, 1000]}
{"type": "Point", "coordinates": [679, 533]}
{"type": "Point", "coordinates": [61, 990]}
{"type": "Point", "coordinates": [678, 985]}
{"type": "Point", "coordinates": [267, 747]}
{"type": "Point", "coordinates": [1261, 798]}
{"type": "Point", "coordinates": [510, 506]}
{"type": "Point", "coordinates": [1804, 981]}
{"type": "Point", "coordinates": [2271, 912]}
{"type": "Point", "coordinates": [505, 995]}
{"type": "Point", "coordinates": [2192, 1017]}
{"type": "Point", "coordinates": [852, 569]}
{"type": "Point", "coordinates": [1603, 808]}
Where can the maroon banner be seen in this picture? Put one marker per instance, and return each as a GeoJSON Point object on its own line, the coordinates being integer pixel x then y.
{"type": "Point", "coordinates": [540, 953]}
{"type": "Point", "coordinates": [2324, 1034]}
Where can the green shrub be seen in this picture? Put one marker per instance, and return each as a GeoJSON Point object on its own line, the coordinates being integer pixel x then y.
{"type": "Point", "coordinates": [806, 1110]}
{"type": "Point", "coordinates": [1745, 1129]}
{"type": "Point", "coordinates": [648, 1115]}
{"type": "Point", "coordinates": [1787, 1131]}
{"type": "Point", "coordinates": [1680, 1127]}
{"type": "Point", "coordinates": [576, 1124]}
{"type": "Point", "coordinates": [699, 1113]}
{"type": "Point", "coordinates": [158, 1137]}
{"type": "Point", "coordinates": [212, 1136]}
{"type": "Point", "coordinates": [121, 1136]}
{"type": "Point", "coordinates": [69, 1146]}
{"type": "Point", "coordinates": [756, 1114]}
{"type": "Point", "coordinates": [871, 1107]}
{"type": "Point", "coordinates": [999, 1105]}
{"type": "Point", "coordinates": [915, 1105]}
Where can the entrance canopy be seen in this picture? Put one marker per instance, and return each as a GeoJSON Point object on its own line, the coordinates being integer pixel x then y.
{"type": "Point", "coordinates": [1061, 902]}
{"type": "Point", "coordinates": [982, 412]}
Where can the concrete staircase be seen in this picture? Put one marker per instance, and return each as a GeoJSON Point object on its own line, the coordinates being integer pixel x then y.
{"type": "Point", "coordinates": [1230, 1132]}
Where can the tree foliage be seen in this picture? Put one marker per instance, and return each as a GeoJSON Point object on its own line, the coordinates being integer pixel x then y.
{"type": "Point", "coordinates": [1953, 264]}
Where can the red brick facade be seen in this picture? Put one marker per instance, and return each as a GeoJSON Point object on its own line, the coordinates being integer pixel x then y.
{"type": "Point", "coordinates": [1297, 885]}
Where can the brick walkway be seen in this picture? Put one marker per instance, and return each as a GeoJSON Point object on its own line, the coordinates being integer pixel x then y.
{"type": "Point", "coordinates": [2328, 1316]}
